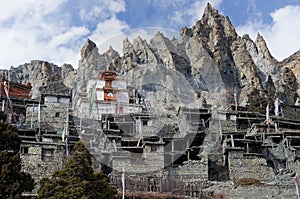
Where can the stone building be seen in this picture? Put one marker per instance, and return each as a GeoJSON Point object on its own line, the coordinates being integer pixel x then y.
{"type": "Point", "coordinates": [259, 148]}
{"type": "Point", "coordinates": [51, 113]}
{"type": "Point", "coordinates": [106, 94]}
{"type": "Point", "coordinates": [47, 138]}
{"type": "Point", "coordinates": [15, 90]}
{"type": "Point", "coordinates": [43, 126]}
{"type": "Point", "coordinates": [160, 153]}
{"type": "Point", "coordinates": [13, 99]}
{"type": "Point", "coordinates": [150, 155]}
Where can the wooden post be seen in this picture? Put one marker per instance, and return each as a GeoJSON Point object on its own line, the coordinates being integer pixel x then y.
{"type": "Point", "coordinates": [172, 145]}
{"type": "Point", "coordinates": [247, 150]}
{"type": "Point", "coordinates": [3, 102]}
{"type": "Point", "coordinates": [187, 143]}
{"type": "Point", "coordinates": [232, 140]}
{"type": "Point", "coordinates": [80, 123]}
{"type": "Point", "coordinates": [31, 116]}
{"type": "Point", "coordinates": [67, 122]}
{"type": "Point", "coordinates": [39, 120]}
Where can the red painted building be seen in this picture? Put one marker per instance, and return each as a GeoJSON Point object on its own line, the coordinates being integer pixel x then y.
{"type": "Point", "coordinates": [15, 90]}
{"type": "Point", "coordinates": [14, 99]}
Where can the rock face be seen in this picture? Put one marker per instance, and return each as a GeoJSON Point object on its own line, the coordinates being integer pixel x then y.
{"type": "Point", "coordinates": [43, 76]}
{"type": "Point", "coordinates": [210, 58]}
{"type": "Point", "coordinates": [206, 65]}
{"type": "Point", "coordinates": [92, 62]}
{"type": "Point", "coordinates": [291, 66]}
{"type": "Point", "coordinates": [293, 62]}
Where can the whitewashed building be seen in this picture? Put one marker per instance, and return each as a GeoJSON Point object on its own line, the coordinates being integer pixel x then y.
{"type": "Point", "coordinates": [107, 94]}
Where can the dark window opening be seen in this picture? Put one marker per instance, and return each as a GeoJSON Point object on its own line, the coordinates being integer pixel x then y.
{"type": "Point", "coordinates": [24, 150]}
{"type": "Point", "coordinates": [56, 114]}
{"type": "Point", "coordinates": [47, 154]}
{"type": "Point", "coordinates": [145, 123]}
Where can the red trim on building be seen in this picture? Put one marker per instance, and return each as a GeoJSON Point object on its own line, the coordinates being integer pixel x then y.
{"type": "Point", "coordinates": [15, 89]}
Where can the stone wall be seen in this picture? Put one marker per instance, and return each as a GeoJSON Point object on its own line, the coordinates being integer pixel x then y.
{"type": "Point", "coordinates": [139, 162]}
{"type": "Point", "coordinates": [53, 116]}
{"type": "Point", "coordinates": [262, 191]}
{"type": "Point", "coordinates": [104, 107]}
{"type": "Point", "coordinates": [294, 166]}
{"type": "Point", "coordinates": [41, 160]}
{"type": "Point", "coordinates": [217, 170]}
{"type": "Point", "coordinates": [241, 166]}
{"type": "Point", "coordinates": [190, 171]}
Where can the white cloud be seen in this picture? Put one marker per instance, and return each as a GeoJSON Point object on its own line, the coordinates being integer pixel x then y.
{"type": "Point", "coordinates": [53, 30]}
{"type": "Point", "coordinates": [108, 33]}
{"type": "Point", "coordinates": [18, 9]}
{"type": "Point", "coordinates": [168, 3]}
{"type": "Point", "coordinates": [71, 35]}
{"type": "Point", "coordinates": [282, 36]}
{"type": "Point", "coordinates": [94, 9]}
{"type": "Point", "coordinates": [116, 6]}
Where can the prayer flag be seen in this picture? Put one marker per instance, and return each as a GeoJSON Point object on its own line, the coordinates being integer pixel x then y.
{"type": "Point", "coordinates": [297, 187]}
{"type": "Point", "coordinates": [276, 103]}
{"type": "Point", "coordinates": [267, 115]}
{"type": "Point", "coordinates": [92, 99]}
{"type": "Point", "coordinates": [123, 183]}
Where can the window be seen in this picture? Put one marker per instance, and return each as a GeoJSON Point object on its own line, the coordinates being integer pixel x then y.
{"type": "Point", "coordinates": [24, 150]}
{"type": "Point", "coordinates": [57, 114]}
{"type": "Point", "coordinates": [108, 83]}
{"type": "Point", "coordinates": [110, 94]}
{"type": "Point", "coordinates": [47, 154]}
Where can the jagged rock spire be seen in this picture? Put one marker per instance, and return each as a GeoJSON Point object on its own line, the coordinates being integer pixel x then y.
{"type": "Point", "coordinates": [112, 53]}
{"type": "Point", "coordinates": [209, 11]}
{"type": "Point", "coordinates": [211, 46]}
{"type": "Point", "coordinates": [262, 46]}
{"type": "Point", "coordinates": [87, 48]}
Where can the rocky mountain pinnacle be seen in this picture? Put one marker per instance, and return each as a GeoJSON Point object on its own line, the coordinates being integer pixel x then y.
{"type": "Point", "coordinates": [92, 62]}
{"type": "Point", "coordinates": [210, 57]}
{"type": "Point", "coordinates": [207, 66]}
{"type": "Point", "coordinates": [293, 62]}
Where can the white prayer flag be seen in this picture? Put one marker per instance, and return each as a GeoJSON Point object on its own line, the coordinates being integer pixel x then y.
{"type": "Point", "coordinates": [267, 114]}
{"type": "Point", "coordinates": [123, 183]}
{"type": "Point", "coordinates": [276, 103]}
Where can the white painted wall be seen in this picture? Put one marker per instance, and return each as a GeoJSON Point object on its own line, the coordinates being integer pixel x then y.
{"type": "Point", "coordinates": [100, 84]}
{"type": "Point", "coordinates": [64, 100]}
{"type": "Point", "coordinates": [123, 97]}
{"type": "Point", "coordinates": [120, 84]}
{"type": "Point", "coordinates": [100, 95]}
{"type": "Point", "coordinates": [50, 99]}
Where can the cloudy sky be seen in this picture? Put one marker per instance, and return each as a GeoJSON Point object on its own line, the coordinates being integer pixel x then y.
{"type": "Point", "coordinates": [55, 30]}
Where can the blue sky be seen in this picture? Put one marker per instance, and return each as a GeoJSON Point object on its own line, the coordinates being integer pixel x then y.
{"type": "Point", "coordinates": [55, 30]}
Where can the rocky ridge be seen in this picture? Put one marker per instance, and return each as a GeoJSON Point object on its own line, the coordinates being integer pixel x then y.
{"type": "Point", "coordinates": [210, 57]}
{"type": "Point", "coordinates": [203, 66]}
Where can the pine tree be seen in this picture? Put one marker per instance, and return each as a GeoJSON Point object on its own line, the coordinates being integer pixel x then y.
{"type": "Point", "coordinates": [12, 181]}
{"type": "Point", "coordinates": [77, 180]}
